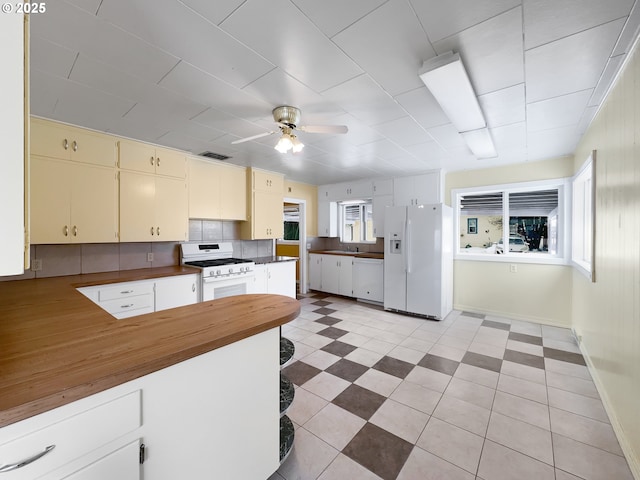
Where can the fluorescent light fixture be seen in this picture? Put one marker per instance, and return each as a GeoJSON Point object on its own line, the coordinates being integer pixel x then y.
{"type": "Point", "coordinates": [447, 79]}
{"type": "Point", "coordinates": [480, 143]}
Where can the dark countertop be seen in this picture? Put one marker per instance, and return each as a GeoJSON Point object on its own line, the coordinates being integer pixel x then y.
{"type": "Point", "coordinates": [273, 259]}
{"type": "Point", "coordinates": [57, 346]}
{"type": "Point", "coordinates": [377, 255]}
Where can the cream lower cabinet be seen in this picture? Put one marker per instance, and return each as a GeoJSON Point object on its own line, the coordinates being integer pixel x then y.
{"type": "Point", "coordinates": [152, 208]}
{"type": "Point", "coordinates": [72, 202]}
{"type": "Point", "coordinates": [198, 419]}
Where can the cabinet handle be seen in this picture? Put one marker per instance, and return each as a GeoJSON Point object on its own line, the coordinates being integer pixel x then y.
{"type": "Point", "coordinates": [65, 230]}
{"type": "Point", "coordinates": [151, 160]}
{"type": "Point", "coordinates": [152, 233]}
{"type": "Point", "coordinates": [157, 161]}
{"type": "Point", "coordinates": [75, 231]}
{"type": "Point", "coordinates": [128, 305]}
{"type": "Point", "coordinates": [193, 287]}
{"type": "Point", "coordinates": [26, 461]}
{"type": "Point", "coordinates": [158, 231]}
{"type": "Point", "coordinates": [124, 292]}
{"type": "Point", "coordinates": [74, 145]}
{"type": "Point", "coordinates": [65, 144]}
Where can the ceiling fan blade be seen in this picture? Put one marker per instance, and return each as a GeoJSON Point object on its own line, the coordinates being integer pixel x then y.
{"type": "Point", "coordinates": [323, 128]}
{"type": "Point", "coordinates": [260, 135]}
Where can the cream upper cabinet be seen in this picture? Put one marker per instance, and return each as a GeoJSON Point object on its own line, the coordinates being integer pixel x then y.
{"type": "Point", "coordinates": [72, 203]}
{"type": "Point", "coordinates": [217, 191]}
{"type": "Point", "coordinates": [266, 219]}
{"type": "Point", "coordinates": [49, 139]}
{"type": "Point", "coordinates": [152, 208]}
{"type": "Point", "coordinates": [143, 157]}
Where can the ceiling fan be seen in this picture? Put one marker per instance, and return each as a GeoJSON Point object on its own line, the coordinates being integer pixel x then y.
{"type": "Point", "coordinates": [287, 118]}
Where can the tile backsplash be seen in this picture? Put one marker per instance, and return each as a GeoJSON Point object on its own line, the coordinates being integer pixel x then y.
{"type": "Point", "coordinates": [59, 260]}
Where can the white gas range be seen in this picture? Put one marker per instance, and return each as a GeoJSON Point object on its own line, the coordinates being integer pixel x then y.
{"type": "Point", "coordinates": [221, 274]}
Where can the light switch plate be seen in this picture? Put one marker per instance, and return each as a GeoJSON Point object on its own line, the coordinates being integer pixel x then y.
{"type": "Point", "coordinates": [36, 264]}
{"type": "Point", "coordinates": [149, 257]}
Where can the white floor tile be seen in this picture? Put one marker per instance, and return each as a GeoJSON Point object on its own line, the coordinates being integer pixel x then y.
{"type": "Point", "coordinates": [524, 372]}
{"type": "Point", "coordinates": [471, 392]}
{"type": "Point", "coordinates": [429, 378]}
{"type": "Point", "coordinates": [309, 457]}
{"type": "Point", "coordinates": [522, 409]}
{"type": "Point", "coordinates": [364, 357]}
{"type": "Point", "coordinates": [326, 385]}
{"type": "Point", "coordinates": [404, 422]}
{"type": "Point", "coordinates": [523, 388]}
{"type": "Point", "coordinates": [572, 384]}
{"type": "Point", "coordinates": [335, 425]}
{"type": "Point", "coordinates": [378, 382]}
{"type": "Point", "coordinates": [343, 468]}
{"type": "Point", "coordinates": [321, 359]}
{"type": "Point", "coordinates": [501, 463]}
{"type": "Point", "coordinates": [522, 437]}
{"type": "Point", "coordinates": [585, 430]}
{"type": "Point", "coordinates": [574, 403]}
{"type": "Point", "coordinates": [447, 352]}
{"type": "Point", "coordinates": [481, 376]}
{"type": "Point", "coordinates": [305, 405]}
{"type": "Point", "coordinates": [463, 414]}
{"type": "Point", "coordinates": [406, 354]}
{"type": "Point", "coordinates": [426, 466]}
{"type": "Point", "coordinates": [416, 396]}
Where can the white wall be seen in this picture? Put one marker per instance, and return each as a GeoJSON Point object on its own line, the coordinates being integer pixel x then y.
{"type": "Point", "coordinates": [607, 313]}
{"type": "Point", "coordinates": [12, 141]}
{"type": "Point", "coordinates": [541, 293]}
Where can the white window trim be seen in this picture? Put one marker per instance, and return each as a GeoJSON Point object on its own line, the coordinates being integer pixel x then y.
{"type": "Point", "coordinates": [587, 268]}
{"type": "Point", "coordinates": [564, 234]}
{"type": "Point", "coordinates": [341, 206]}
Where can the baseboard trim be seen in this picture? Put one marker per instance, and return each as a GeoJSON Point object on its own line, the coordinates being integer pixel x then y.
{"type": "Point", "coordinates": [625, 445]}
{"type": "Point", "coordinates": [515, 316]}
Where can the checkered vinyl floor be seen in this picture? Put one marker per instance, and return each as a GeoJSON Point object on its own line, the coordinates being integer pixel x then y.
{"type": "Point", "coordinates": [382, 395]}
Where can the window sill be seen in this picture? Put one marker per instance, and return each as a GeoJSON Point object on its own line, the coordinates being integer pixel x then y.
{"type": "Point", "coordinates": [511, 258]}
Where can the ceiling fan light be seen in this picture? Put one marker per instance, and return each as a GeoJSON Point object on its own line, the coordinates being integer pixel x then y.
{"type": "Point", "coordinates": [297, 145]}
{"type": "Point", "coordinates": [284, 144]}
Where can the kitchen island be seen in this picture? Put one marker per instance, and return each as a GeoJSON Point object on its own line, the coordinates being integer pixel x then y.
{"type": "Point", "coordinates": [62, 356]}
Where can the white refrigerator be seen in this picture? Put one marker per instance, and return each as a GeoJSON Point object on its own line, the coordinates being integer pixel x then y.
{"type": "Point", "coordinates": [418, 260]}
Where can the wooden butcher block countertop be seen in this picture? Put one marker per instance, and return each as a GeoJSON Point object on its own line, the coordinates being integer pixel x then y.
{"type": "Point", "coordinates": [57, 346]}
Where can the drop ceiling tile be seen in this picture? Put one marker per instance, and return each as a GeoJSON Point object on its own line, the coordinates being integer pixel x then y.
{"type": "Point", "coordinates": [443, 19]}
{"type": "Point", "coordinates": [50, 57]}
{"type": "Point", "coordinates": [332, 16]}
{"type": "Point", "coordinates": [557, 112]}
{"type": "Point", "coordinates": [409, 164]}
{"type": "Point", "coordinates": [509, 137]}
{"type": "Point", "coordinates": [386, 150]}
{"type": "Point", "coordinates": [504, 107]}
{"type": "Point", "coordinates": [365, 100]}
{"type": "Point", "coordinates": [191, 82]}
{"type": "Point", "coordinates": [492, 52]}
{"type": "Point", "coordinates": [216, 11]}
{"type": "Point", "coordinates": [549, 20]}
{"type": "Point", "coordinates": [176, 29]}
{"type": "Point", "coordinates": [571, 64]}
{"type": "Point", "coordinates": [180, 141]}
{"type": "Point", "coordinates": [395, 48]}
{"type": "Point", "coordinates": [197, 130]}
{"type": "Point", "coordinates": [227, 123]}
{"type": "Point", "coordinates": [44, 93]}
{"type": "Point", "coordinates": [298, 48]}
{"type": "Point", "coordinates": [90, 6]}
{"type": "Point", "coordinates": [552, 143]}
{"type": "Point", "coordinates": [278, 88]}
{"type": "Point", "coordinates": [447, 137]}
{"type": "Point", "coordinates": [404, 131]}
{"type": "Point", "coordinates": [428, 151]}
{"type": "Point", "coordinates": [80, 31]}
{"type": "Point", "coordinates": [359, 133]}
{"type": "Point", "coordinates": [422, 106]}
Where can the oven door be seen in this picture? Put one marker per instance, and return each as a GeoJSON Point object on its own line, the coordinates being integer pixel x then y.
{"type": "Point", "coordinates": [215, 288]}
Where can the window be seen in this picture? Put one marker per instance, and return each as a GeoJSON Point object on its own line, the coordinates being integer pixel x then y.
{"type": "Point", "coordinates": [583, 218]}
{"type": "Point", "coordinates": [356, 222]}
{"type": "Point", "coordinates": [291, 222]}
{"type": "Point", "coordinates": [525, 217]}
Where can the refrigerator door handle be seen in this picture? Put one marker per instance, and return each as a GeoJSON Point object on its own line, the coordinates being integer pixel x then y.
{"type": "Point", "coordinates": [407, 241]}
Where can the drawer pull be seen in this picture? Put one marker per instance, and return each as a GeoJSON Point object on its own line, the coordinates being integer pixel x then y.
{"type": "Point", "coordinates": [27, 461]}
{"type": "Point", "coordinates": [126, 291]}
{"type": "Point", "coordinates": [128, 305]}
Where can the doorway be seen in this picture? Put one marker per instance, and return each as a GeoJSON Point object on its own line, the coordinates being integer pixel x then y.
{"type": "Point", "coordinates": [295, 233]}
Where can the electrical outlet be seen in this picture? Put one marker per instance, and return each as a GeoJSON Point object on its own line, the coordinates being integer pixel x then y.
{"type": "Point", "coordinates": [513, 268]}
{"type": "Point", "coordinates": [149, 257]}
{"type": "Point", "coordinates": [36, 264]}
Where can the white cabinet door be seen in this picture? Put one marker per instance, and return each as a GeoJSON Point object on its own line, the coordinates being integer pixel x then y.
{"type": "Point", "coordinates": [315, 271]}
{"type": "Point", "coordinates": [331, 273]}
{"type": "Point", "coordinates": [346, 276]}
{"type": "Point", "coordinates": [427, 188]}
{"type": "Point", "coordinates": [122, 464]}
{"type": "Point", "coordinates": [281, 278]}
{"type": "Point", "coordinates": [260, 279]}
{"type": "Point", "coordinates": [172, 292]}
{"type": "Point", "coordinates": [380, 202]}
{"type": "Point", "coordinates": [403, 193]}
{"type": "Point", "coordinates": [360, 190]}
{"type": "Point", "coordinates": [327, 219]}
{"type": "Point", "coordinates": [383, 187]}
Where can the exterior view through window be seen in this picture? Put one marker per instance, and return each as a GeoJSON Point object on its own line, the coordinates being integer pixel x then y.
{"type": "Point", "coordinates": [356, 222]}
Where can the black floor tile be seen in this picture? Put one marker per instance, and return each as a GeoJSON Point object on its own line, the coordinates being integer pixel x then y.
{"type": "Point", "coordinates": [378, 450]}
{"type": "Point", "coordinates": [328, 320]}
{"type": "Point", "coordinates": [393, 366]}
{"type": "Point", "coordinates": [321, 303]}
{"type": "Point", "coordinates": [563, 356]}
{"type": "Point", "coordinates": [359, 401]}
{"type": "Point", "coordinates": [300, 372]}
{"type": "Point", "coordinates": [473, 315]}
{"type": "Point", "coordinates": [332, 332]}
{"type": "Point", "coordinates": [482, 361]}
{"type": "Point", "coordinates": [524, 358]}
{"type": "Point", "coordinates": [339, 348]}
{"type": "Point", "coordinates": [324, 311]}
{"type": "Point", "coordinates": [439, 364]}
{"type": "Point", "coordinates": [498, 325]}
{"type": "Point", "coordinates": [521, 337]}
{"type": "Point", "coordinates": [347, 370]}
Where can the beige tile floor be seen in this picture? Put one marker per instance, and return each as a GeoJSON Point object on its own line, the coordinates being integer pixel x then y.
{"type": "Point", "coordinates": [382, 395]}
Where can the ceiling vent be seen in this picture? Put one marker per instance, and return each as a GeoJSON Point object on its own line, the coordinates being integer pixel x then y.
{"type": "Point", "coordinates": [215, 156]}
